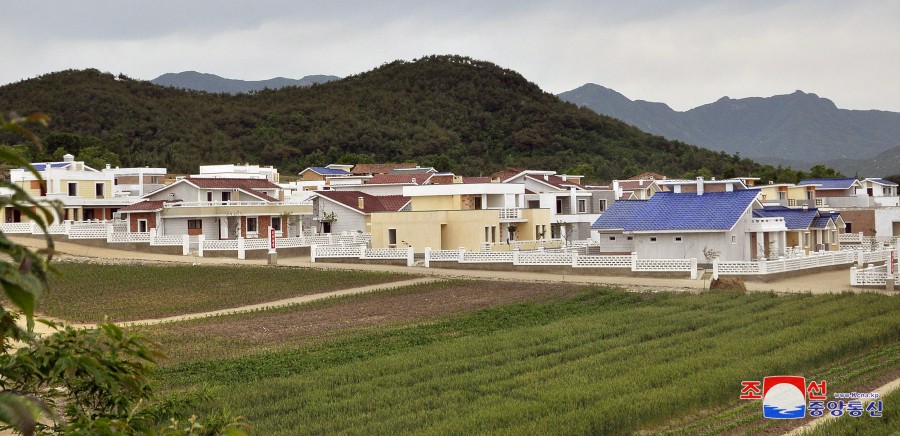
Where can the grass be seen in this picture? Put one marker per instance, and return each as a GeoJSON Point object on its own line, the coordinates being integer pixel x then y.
{"type": "Point", "coordinates": [86, 292]}
{"type": "Point", "coordinates": [888, 424]}
{"type": "Point", "coordinates": [608, 362]}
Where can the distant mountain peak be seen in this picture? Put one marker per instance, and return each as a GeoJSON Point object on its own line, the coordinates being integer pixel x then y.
{"type": "Point", "coordinates": [207, 82]}
{"type": "Point", "coordinates": [795, 127]}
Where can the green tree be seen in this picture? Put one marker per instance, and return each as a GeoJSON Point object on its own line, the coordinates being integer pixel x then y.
{"type": "Point", "coordinates": [94, 381]}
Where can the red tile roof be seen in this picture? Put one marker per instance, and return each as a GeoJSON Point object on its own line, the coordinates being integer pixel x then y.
{"type": "Point", "coordinates": [631, 185]}
{"type": "Point", "coordinates": [648, 176]}
{"type": "Point", "coordinates": [144, 206]}
{"type": "Point", "coordinates": [387, 179]}
{"type": "Point", "coordinates": [380, 168]}
{"type": "Point", "coordinates": [507, 173]}
{"type": "Point", "coordinates": [371, 203]}
{"type": "Point", "coordinates": [251, 186]}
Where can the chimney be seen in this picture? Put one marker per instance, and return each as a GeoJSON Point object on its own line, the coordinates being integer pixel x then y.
{"type": "Point", "coordinates": [699, 185]}
{"type": "Point", "coordinates": [565, 178]}
{"type": "Point", "coordinates": [68, 158]}
{"type": "Point", "coordinates": [546, 177]}
{"type": "Point", "coordinates": [414, 181]}
{"type": "Point", "coordinates": [617, 191]}
{"type": "Point", "coordinates": [805, 208]}
{"type": "Point", "coordinates": [361, 203]}
{"type": "Point", "coordinates": [641, 182]}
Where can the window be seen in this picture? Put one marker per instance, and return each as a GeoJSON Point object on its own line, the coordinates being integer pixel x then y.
{"type": "Point", "coordinates": [88, 214]}
{"type": "Point", "coordinates": [848, 227]}
{"type": "Point", "coordinates": [806, 239]}
{"type": "Point", "coordinates": [559, 205]}
{"type": "Point", "coordinates": [629, 238]}
{"type": "Point", "coordinates": [226, 196]}
{"type": "Point", "coordinates": [98, 189]}
{"type": "Point", "coordinates": [252, 224]}
{"type": "Point", "coordinates": [276, 222]}
{"type": "Point", "coordinates": [834, 237]}
{"type": "Point", "coordinates": [142, 226]}
{"type": "Point", "coordinates": [782, 195]}
{"type": "Point", "coordinates": [195, 224]}
{"type": "Point", "coordinates": [392, 238]}
{"type": "Point", "coordinates": [733, 239]}
{"type": "Point", "coordinates": [73, 189]}
{"type": "Point", "coordinates": [677, 239]}
{"type": "Point", "coordinates": [209, 197]}
{"type": "Point", "coordinates": [601, 206]}
{"type": "Point", "coordinates": [612, 238]}
{"type": "Point", "coordinates": [582, 206]}
{"type": "Point", "coordinates": [653, 239]}
{"type": "Point", "coordinates": [487, 234]}
{"type": "Point", "coordinates": [477, 202]}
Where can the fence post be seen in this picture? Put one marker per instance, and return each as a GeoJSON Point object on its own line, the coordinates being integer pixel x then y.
{"type": "Point", "coordinates": [574, 259]}
{"type": "Point", "coordinates": [515, 256]}
{"type": "Point", "coordinates": [35, 230]}
{"type": "Point", "coordinates": [694, 269]}
{"type": "Point", "coordinates": [362, 251]}
{"type": "Point", "coordinates": [242, 254]}
{"type": "Point", "coordinates": [853, 276]}
{"type": "Point", "coordinates": [860, 257]}
{"type": "Point", "coordinates": [312, 253]}
{"type": "Point", "coordinates": [633, 261]}
{"type": "Point", "coordinates": [462, 254]}
{"type": "Point", "coordinates": [860, 237]}
{"type": "Point", "coordinates": [427, 257]}
{"type": "Point", "coordinates": [109, 231]}
{"type": "Point", "coordinates": [330, 239]}
{"type": "Point", "coordinates": [200, 240]}
{"type": "Point", "coordinates": [410, 256]}
{"type": "Point", "coordinates": [715, 272]}
{"type": "Point", "coordinates": [763, 267]}
{"type": "Point", "coordinates": [185, 245]}
{"type": "Point", "coordinates": [152, 235]}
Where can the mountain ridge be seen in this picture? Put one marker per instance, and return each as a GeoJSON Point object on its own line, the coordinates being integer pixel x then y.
{"type": "Point", "coordinates": [207, 82]}
{"type": "Point", "coordinates": [796, 127]}
{"type": "Point", "coordinates": [451, 112]}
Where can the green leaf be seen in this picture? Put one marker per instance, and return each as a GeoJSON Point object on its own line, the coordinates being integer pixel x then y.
{"type": "Point", "coordinates": [23, 299]}
{"type": "Point", "coordinates": [19, 412]}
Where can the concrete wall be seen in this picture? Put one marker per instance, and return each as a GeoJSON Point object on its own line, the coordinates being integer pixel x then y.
{"type": "Point", "coordinates": [438, 229]}
{"type": "Point", "coordinates": [861, 220]}
{"type": "Point", "coordinates": [692, 244]}
{"type": "Point", "coordinates": [887, 221]}
{"type": "Point", "coordinates": [183, 192]}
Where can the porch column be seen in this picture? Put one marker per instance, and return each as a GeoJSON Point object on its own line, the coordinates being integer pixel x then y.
{"type": "Point", "coordinates": [783, 242]}
{"type": "Point", "coordinates": [760, 245]}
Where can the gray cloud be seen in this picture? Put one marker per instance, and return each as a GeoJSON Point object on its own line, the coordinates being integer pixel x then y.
{"type": "Point", "coordinates": [682, 53]}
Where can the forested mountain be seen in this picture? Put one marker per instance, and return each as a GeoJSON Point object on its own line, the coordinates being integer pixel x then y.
{"type": "Point", "coordinates": [798, 127]}
{"type": "Point", "coordinates": [213, 83]}
{"type": "Point", "coordinates": [454, 113]}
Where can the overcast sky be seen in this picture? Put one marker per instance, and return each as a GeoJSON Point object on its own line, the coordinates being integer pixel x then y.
{"type": "Point", "coordinates": [683, 53]}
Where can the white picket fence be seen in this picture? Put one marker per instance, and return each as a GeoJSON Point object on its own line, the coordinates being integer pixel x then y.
{"type": "Point", "coordinates": [562, 258]}
{"type": "Point", "coordinates": [360, 252]}
{"type": "Point", "coordinates": [812, 260]}
{"type": "Point", "coordinates": [873, 276]}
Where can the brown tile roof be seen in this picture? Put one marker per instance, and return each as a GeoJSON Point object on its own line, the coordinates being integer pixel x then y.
{"type": "Point", "coordinates": [144, 206]}
{"type": "Point", "coordinates": [635, 184]}
{"type": "Point", "coordinates": [386, 179]}
{"type": "Point", "coordinates": [507, 173]}
{"type": "Point", "coordinates": [251, 186]}
{"type": "Point", "coordinates": [372, 203]}
{"type": "Point", "coordinates": [384, 168]}
{"type": "Point", "coordinates": [648, 176]}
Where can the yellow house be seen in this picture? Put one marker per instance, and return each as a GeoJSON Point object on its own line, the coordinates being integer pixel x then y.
{"type": "Point", "coordinates": [787, 194]}
{"type": "Point", "coordinates": [459, 215]}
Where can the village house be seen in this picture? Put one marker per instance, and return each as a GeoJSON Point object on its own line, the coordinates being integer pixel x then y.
{"type": "Point", "coordinates": [218, 208]}
{"type": "Point", "coordinates": [85, 193]}
{"type": "Point", "coordinates": [696, 224]}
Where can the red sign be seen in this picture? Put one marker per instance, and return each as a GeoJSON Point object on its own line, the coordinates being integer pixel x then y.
{"type": "Point", "coordinates": [272, 239]}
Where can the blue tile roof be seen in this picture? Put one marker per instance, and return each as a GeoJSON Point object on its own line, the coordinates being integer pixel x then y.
{"type": "Point", "coordinates": [329, 171]}
{"type": "Point", "coordinates": [668, 211]}
{"type": "Point", "coordinates": [845, 183]}
{"type": "Point", "coordinates": [883, 182]}
{"type": "Point", "coordinates": [820, 222]}
{"type": "Point", "coordinates": [794, 219]}
{"type": "Point", "coordinates": [617, 216]}
{"type": "Point", "coordinates": [44, 165]}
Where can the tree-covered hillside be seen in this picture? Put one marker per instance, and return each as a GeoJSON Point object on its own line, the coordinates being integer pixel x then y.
{"type": "Point", "coordinates": [454, 113]}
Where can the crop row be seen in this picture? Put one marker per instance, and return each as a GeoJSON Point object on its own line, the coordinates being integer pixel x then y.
{"type": "Point", "coordinates": [85, 292]}
{"type": "Point", "coordinates": [574, 366]}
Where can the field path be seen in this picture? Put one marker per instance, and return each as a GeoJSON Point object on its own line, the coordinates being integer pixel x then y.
{"type": "Point", "coordinates": [818, 283]}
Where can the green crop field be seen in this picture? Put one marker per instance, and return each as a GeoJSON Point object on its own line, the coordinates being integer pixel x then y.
{"type": "Point", "coordinates": [86, 292]}
{"type": "Point", "coordinates": [606, 362]}
{"type": "Point", "coordinates": [888, 424]}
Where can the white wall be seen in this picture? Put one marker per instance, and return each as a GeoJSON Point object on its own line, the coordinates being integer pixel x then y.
{"type": "Point", "coordinates": [692, 244]}
{"type": "Point", "coordinates": [885, 219]}
{"type": "Point", "coordinates": [178, 226]}
{"type": "Point", "coordinates": [183, 192]}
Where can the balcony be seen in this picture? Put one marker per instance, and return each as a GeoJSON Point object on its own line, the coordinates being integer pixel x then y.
{"type": "Point", "coordinates": [774, 224]}
{"type": "Point", "coordinates": [510, 214]}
